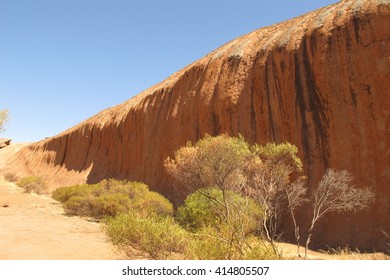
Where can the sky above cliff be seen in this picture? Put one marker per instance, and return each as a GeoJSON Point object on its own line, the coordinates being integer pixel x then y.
{"type": "Point", "coordinates": [62, 61]}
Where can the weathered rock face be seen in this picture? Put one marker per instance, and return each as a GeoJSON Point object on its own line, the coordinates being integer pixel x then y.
{"type": "Point", "coordinates": [320, 81]}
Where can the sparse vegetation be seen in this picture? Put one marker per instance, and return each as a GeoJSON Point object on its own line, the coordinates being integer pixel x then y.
{"type": "Point", "coordinates": [214, 171]}
{"type": "Point", "coordinates": [271, 174]}
{"type": "Point", "coordinates": [236, 197]}
{"type": "Point", "coordinates": [230, 164]}
{"type": "Point", "coordinates": [210, 243]}
{"type": "Point", "coordinates": [157, 235]}
{"type": "Point", "coordinates": [335, 193]}
{"type": "Point", "coordinates": [32, 184]}
{"type": "Point", "coordinates": [110, 198]}
{"type": "Point", "coordinates": [347, 253]}
{"type": "Point", "coordinates": [98, 207]}
{"type": "Point", "coordinates": [270, 183]}
{"type": "Point", "coordinates": [11, 177]}
{"type": "Point", "coordinates": [203, 214]}
{"type": "Point", "coordinates": [212, 162]}
{"type": "Point", "coordinates": [203, 209]}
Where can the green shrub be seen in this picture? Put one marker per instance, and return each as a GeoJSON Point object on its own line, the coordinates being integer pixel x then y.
{"type": "Point", "coordinates": [110, 198]}
{"type": "Point", "coordinates": [259, 249]}
{"type": "Point", "coordinates": [197, 211]}
{"type": "Point", "coordinates": [32, 184]}
{"type": "Point", "coordinates": [220, 244]}
{"type": "Point", "coordinates": [65, 193]}
{"type": "Point", "coordinates": [98, 207]}
{"type": "Point", "coordinates": [135, 190]}
{"type": "Point", "coordinates": [210, 244]}
{"type": "Point", "coordinates": [78, 205]}
{"type": "Point", "coordinates": [216, 237]}
{"type": "Point", "coordinates": [159, 236]}
{"type": "Point", "coordinates": [109, 205]}
{"type": "Point", "coordinates": [153, 203]}
{"type": "Point", "coordinates": [201, 209]}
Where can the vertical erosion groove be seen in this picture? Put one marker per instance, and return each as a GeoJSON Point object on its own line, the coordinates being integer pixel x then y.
{"type": "Point", "coordinates": [269, 93]}
{"type": "Point", "coordinates": [316, 104]}
{"type": "Point", "coordinates": [310, 111]}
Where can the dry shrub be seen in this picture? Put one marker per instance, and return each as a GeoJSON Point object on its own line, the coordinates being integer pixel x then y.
{"type": "Point", "coordinates": [159, 236]}
{"type": "Point", "coordinates": [11, 177]}
{"type": "Point", "coordinates": [98, 207]}
{"type": "Point", "coordinates": [65, 193]}
{"type": "Point", "coordinates": [110, 198]}
{"type": "Point", "coordinates": [347, 253]}
{"type": "Point", "coordinates": [219, 244]}
{"type": "Point", "coordinates": [33, 184]}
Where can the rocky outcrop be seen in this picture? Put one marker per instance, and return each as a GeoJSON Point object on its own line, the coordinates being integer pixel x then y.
{"type": "Point", "coordinates": [320, 81]}
{"type": "Point", "coordinates": [4, 142]}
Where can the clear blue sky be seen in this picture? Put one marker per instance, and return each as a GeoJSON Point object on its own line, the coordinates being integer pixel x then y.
{"type": "Point", "coordinates": [62, 61]}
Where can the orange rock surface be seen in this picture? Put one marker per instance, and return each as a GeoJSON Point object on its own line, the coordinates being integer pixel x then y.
{"type": "Point", "coordinates": [320, 81]}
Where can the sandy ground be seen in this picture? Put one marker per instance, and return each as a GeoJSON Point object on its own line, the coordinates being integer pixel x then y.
{"type": "Point", "coordinates": [34, 227]}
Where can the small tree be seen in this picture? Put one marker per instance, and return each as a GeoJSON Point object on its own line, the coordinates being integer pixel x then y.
{"type": "Point", "coordinates": [33, 184]}
{"type": "Point", "coordinates": [202, 217]}
{"type": "Point", "coordinates": [215, 165]}
{"type": "Point", "coordinates": [335, 193]}
{"type": "Point", "coordinates": [266, 173]}
{"type": "Point", "coordinates": [213, 162]}
{"type": "Point", "coordinates": [295, 194]}
{"type": "Point", "coordinates": [4, 118]}
{"type": "Point", "coordinates": [272, 184]}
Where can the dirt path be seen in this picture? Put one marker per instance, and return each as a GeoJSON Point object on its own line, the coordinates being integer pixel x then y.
{"type": "Point", "coordinates": [34, 227]}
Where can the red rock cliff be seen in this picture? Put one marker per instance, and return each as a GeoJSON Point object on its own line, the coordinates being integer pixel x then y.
{"type": "Point", "coordinates": [320, 81]}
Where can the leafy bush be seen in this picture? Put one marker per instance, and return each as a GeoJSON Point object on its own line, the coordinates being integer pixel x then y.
{"type": "Point", "coordinates": [280, 154]}
{"type": "Point", "coordinates": [159, 236]}
{"type": "Point", "coordinates": [211, 244]}
{"type": "Point", "coordinates": [153, 203]}
{"type": "Point", "coordinates": [214, 236]}
{"type": "Point", "coordinates": [259, 249]}
{"type": "Point", "coordinates": [11, 177]}
{"type": "Point", "coordinates": [219, 244]}
{"type": "Point", "coordinates": [78, 205]}
{"type": "Point", "coordinates": [110, 205]}
{"type": "Point", "coordinates": [98, 207]}
{"type": "Point", "coordinates": [269, 174]}
{"type": "Point", "coordinates": [201, 209]}
{"type": "Point", "coordinates": [197, 211]}
{"type": "Point", "coordinates": [110, 198]}
{"type": "Point", "coordinates": [211, 162]}
{"type": "Point", "coordinates": [135, 190]}
{"type": "Point", "coordinates": [65, 193]}
{"type": "Point", "coordinates": [32, 184]}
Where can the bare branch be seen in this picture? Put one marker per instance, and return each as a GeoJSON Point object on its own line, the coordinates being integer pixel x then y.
{"type": "Point", "coordinates": [335, 193]}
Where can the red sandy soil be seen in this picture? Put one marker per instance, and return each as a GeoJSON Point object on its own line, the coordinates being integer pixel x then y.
{"type": "Point", "coordinates": [34, 227]}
